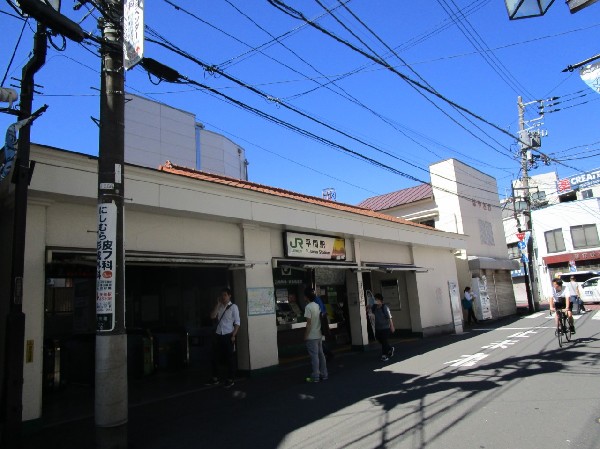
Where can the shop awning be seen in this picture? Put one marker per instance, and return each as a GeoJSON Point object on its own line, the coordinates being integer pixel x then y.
{"type": "Point", "coordinates": [87, 256]}
{"type": "Point", "coordinates": [312, 263]}
{"type": "Point", "coordinates": [391, 267]}
{"type": "Point", "coordinates": [491, 263]}
{"type": "Point", "coordinates": [567, 257]}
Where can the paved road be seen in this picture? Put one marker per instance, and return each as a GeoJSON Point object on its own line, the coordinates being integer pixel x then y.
{"type": "Point", "coordinates": [498, 386]}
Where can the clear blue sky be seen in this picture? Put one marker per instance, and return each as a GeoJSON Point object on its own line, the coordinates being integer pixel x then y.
{"type": "Point", "coordinates": [400, 127]}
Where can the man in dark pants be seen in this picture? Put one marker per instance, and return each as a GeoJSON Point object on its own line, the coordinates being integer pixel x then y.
{"type": "Point", "coordinates": [227, 316]}
{"type": "Point", "coordinates": [384, 326]}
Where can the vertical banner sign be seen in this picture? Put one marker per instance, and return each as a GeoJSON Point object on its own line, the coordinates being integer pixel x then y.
{"type": "Point", "coordinates": [133, 33]}
{"type": "Point", "coordinates": [105, 267]}
{"type": "Point", "coordinates": [590, 74]}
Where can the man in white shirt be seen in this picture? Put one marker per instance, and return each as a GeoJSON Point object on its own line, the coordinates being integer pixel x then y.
{"type": "Point", "coordinates": [227, 316]}
{"type": "Point", "coordinates": [314, 338]}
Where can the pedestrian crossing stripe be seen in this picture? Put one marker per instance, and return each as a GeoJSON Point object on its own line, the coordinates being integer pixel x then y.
{"type": "Point", "coordinates": [596, 315]}
{"type": "Point", "coordinates": [575, 317]}
{"type": "Point", "coordinates": [535, 315]}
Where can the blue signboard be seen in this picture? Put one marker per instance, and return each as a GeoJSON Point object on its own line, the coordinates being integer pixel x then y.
{"type": "Point", "coordinates": [521, 245]}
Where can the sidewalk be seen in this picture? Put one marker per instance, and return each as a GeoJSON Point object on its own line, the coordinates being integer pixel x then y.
{"type": "Point", "coordinates": [176, 410]}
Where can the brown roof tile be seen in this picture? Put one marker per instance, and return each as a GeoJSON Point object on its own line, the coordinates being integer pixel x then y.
{"type": "Point", "coordinates": [397, 198]}
{"type": "Point", "coordinates": [169, 167]}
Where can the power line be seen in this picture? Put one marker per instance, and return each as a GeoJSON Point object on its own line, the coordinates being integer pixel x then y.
{"type": "Point", "coordinates": [471, 34]}
{"type": "Point", "coordinates": [212, 69]}
{"type": "Point", "coordinates": [12, 58]}
{"type": "Point", "coordinates": [282, 6]}
{"type": "Point", "coordinates": [177, 78]}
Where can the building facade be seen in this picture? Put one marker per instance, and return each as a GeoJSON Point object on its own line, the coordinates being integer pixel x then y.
{"type": "Point", "coordinates": [187, 235]}
{"type": "Point", "coordinates": [156, 132]}
{"type": "Point", "coordinates": [462, 200]}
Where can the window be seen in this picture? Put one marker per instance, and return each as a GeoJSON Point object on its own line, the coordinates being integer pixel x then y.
{"type": "Point", "coordinates": [587, 194]}
{"type": "Point", "coordinates": [585, 236]}
{"type": "Point", "coordinates": [554, 241]}
{"type": "Point", "coordinates": [513, 251]}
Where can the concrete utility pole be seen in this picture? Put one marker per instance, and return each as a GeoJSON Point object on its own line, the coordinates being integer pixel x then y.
{"type": "Point", "coordinates": [524, 148]}
{"type": "Point", "coordinates": [15, 325]}
{"type": "Point", "coordinates": [111, 404]}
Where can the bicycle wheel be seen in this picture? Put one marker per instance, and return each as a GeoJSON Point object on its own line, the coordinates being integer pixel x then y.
{"type": "Point", "coordinates": [559, 334]}
{"type": "Point", "coordinates": [567, 328]}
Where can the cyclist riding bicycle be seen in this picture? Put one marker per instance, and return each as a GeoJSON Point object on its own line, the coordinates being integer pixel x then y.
{"type": "Point", "coordinates": [561, 300]}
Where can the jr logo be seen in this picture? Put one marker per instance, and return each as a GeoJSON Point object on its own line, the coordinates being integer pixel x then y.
{"type": "Point", "coordinates": [297, 243]}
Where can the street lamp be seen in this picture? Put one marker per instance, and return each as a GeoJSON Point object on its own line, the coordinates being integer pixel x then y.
{"type": "Point", "coordinates": [523, 9]}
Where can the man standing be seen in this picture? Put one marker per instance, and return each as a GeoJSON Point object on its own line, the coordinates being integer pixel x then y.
{"type": "Point", "coordinates": [314, 338]}
{"type": "Point", "coordinates": [227, 316]}
{"type": "Point", "coordinates": [384, 326]}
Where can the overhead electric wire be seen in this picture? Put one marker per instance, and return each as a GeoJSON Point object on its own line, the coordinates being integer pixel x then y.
{"type": "Point", "coordinates": [311, 135]}
{"type": "Point", "coordinates": [475, 39]}
{"type": "Point", "coordinates": [392, 51]}
{"type": "Point", "coordinates": [346, 94]}
{"type": "Point", "coordinates": [212, 69]}
{"type": "Point", "coordinates": [12, 58]}
{"type": "Point", "coordinates": [282, 6]}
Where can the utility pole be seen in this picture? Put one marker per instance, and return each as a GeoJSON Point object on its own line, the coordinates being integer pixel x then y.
{"type": "Point", "coordinates": [111, 404]}
{"type": "Point", "coordinates": [15, 325]}
{"type": "Point", "coordinates": [525, 146]}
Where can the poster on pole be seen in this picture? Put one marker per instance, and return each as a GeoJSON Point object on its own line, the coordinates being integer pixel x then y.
{"type": "Point", "coordinates": [106, 266]}
{"type": "Point", "coordinates": [133, 33]}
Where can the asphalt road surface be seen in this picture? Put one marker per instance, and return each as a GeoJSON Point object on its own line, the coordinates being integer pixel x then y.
{"type": "Point", "coordinates": [498, 386]}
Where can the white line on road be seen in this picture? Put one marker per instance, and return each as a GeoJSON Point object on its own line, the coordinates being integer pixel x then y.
{"type": "Point", "coordinates": [596, 315]}
{"type": "Point", "coordinates": [535, 315]}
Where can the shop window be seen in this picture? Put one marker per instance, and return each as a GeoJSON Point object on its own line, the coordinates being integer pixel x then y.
{"type": "Point", "coordinates": [555, 241]}
{"type": "Point", "coordinates": [585, 236]}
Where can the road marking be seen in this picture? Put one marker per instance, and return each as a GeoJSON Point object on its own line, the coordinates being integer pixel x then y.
{"type": "Point", "coordinates": [596, 315]}
{"type": "Point", "coordinates": [504, 344]}
{"type": "Point", "coordinates": [535, 315]}
{"type": "Point", "coordinates": [467, 360]}
{"type": "Point", "coordinates": [522, 334]}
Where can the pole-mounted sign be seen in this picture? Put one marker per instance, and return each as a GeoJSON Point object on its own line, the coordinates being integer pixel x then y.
{"type": "Point", "coordinates": [105, 268]}
{"type": "Point", "coordinates": [133, 33]}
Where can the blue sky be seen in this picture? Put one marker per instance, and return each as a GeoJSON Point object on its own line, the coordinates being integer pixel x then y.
{"type": "Point", "coordinates": [368, 110]}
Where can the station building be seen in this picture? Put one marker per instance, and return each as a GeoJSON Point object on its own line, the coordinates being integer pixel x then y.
{"type": "Point", "coordinates": [189, 233]}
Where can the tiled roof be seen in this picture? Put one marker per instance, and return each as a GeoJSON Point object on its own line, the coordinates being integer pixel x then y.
{"type": "Point", "coordinates": [169, 167]}
{"type": "Point", "coordinates": [394, 199]}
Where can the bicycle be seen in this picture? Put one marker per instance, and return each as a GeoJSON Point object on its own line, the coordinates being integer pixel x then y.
{"type": "Point", "coordinates": [562, 328]}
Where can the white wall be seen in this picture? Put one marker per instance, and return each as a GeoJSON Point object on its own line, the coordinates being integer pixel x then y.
{"type": "Point", "coordinates": [33, 308]}
{"type": "Point", "coordinates": [468, 202]}
{"type": "Point", "coordinates": [220, 155]}
{"type": "Point", "coordinates": [155, 133]}
{"type": "Point", "coordinates": [431, 298]}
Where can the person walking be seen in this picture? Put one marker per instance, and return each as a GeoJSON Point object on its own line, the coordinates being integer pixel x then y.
{"type": "Point", "coordinates": [384, 326]}
{"type": "Point", "coordinates": [575, 294]}
{"type": "Point", "coordinates": [468, 305]}
{"type": "Point", "coordinates": [227, 316]}
{"type": "Point", "coordinates": [314, 338]}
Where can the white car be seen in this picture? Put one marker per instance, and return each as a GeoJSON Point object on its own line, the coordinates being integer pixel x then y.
{"type": "Point", "coordinates": [590, 290]}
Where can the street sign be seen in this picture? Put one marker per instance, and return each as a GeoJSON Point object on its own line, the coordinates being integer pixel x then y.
{"type": "Point", "coordinates": [520, 235]}
{"type": "Point", "coordinates": [521, 245]}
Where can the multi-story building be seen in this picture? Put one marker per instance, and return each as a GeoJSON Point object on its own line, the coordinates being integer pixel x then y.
{"type": "Point", "coordinates": [156, 132]}
{"type": "Point", "coordinates": [564, 219]}
{"type": "Point", "coordinates": [463, 200]}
